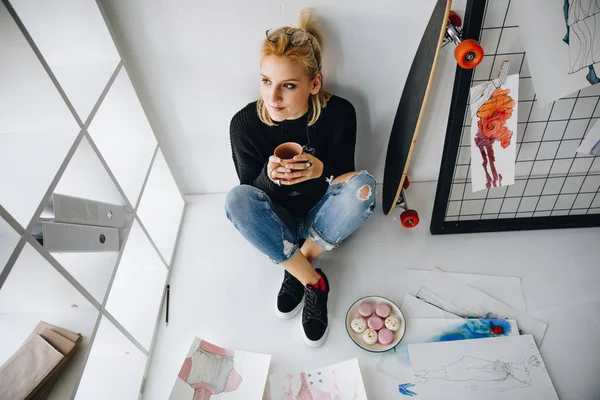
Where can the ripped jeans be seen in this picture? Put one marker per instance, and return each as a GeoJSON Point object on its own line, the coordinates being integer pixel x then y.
{"type": "Point", "coordinates": [276, 233]}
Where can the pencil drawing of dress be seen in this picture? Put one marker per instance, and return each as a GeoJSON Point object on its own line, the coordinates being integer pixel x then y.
{"type": "Point", "coordinates": [582, 18]}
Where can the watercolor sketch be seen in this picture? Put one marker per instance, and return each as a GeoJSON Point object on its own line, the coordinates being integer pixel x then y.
{"type": "Point", "coordinates": [341, 381]}
{"type": "Point", "coordinates": [562, 45]}
{"type": "Point", "coordinates": [583, 30]}
{"type": "Point", "coordinates": [495, 368]}
{"type": "Point", "coordinates": [493, 133]}
{"type": "Point", "coordinates": [396, 363]}
{"type": "Point", "coordinates": [210, 371]}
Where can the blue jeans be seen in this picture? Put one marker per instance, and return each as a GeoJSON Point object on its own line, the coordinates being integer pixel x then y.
{"type": "Point", "coordinates": [276, 233]}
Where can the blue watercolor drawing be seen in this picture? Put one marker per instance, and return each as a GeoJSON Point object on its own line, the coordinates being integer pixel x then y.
{"type": "Point", "coordinates": [404, 389]}
{"type": "Point", "coordinates": [476, 329]}
{"type": "Point", "coordinates": [469, 329]}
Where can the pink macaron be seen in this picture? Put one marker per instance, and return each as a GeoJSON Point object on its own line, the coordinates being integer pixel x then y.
{"type": "Point", "coordinates": [385, 336]}
{"type": "Point", "coordinates": [375, 322]}
{"type": "Point", "coordinates": [365, 309]}
{"type": "Point", "coordinates": [383, 310]}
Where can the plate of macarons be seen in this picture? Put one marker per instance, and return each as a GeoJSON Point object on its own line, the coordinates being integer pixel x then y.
{"type": "Point", "coordinates": [375, 324]}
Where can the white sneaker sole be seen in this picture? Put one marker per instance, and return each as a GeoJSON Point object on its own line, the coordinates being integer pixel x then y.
{"type": "Point", "coordinates": [290, 314]}
{"type": "Point", "coordinates": [316, 343]}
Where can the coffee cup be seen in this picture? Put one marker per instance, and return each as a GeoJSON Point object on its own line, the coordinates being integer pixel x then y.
{"type": "Point", "coordinates": [287, 151]}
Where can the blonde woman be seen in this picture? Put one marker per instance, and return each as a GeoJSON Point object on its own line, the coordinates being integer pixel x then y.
{"type": "Point", "coordinates": [295, 212]}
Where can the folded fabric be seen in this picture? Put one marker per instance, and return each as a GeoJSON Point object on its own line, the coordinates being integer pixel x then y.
{"type": "Point", "coordinates": [72, 336]}
{"type": "Point", "coordinates": [59, 342]}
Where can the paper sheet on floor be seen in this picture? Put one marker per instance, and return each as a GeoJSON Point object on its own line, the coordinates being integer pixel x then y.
{"type": "Point", "coordinates": [396, 363]}
{"type": "Point", "coordinates": [507, 289]}
{"type": "Point", "coordinates": [499, 368]}
{"type": "Point", "coordinates": [339, 381]}
{"type": "Point", "coordinates": [451, 295]}
{"type": "Point", "coordinates": [415, 308]}
{"type": "Point", "coordinates": [228, 374]}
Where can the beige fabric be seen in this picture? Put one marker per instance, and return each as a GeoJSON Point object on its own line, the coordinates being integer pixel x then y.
{"type": "Point", "coordinates": [27, 368]}
{"type": "Point", "coordinates": [59, 342]}
{"type": "Point", "coordinates": [72, 336]}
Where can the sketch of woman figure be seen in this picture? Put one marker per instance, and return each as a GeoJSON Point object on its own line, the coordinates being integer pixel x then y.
{"type": "Point", "coordinates": [583, 35]}
{"type": "Point", "coordinates": [210, 370]}
{"type": "Point", "coordinates": [479, 374]}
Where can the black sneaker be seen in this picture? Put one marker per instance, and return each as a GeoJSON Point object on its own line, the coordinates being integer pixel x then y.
{"type": "Point", "coordinates": [289, 299]}
{"type": "Point", "coordinates": [314, 315]}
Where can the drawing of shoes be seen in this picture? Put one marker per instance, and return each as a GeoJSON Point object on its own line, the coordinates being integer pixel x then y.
{"type": "Point", "coordinates": [591, 76]}
{"type": "Point", "coordinates": [404, 389]}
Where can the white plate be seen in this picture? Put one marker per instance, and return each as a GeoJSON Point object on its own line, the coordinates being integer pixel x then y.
{"type": "Point", "coordinates": [357, 337]}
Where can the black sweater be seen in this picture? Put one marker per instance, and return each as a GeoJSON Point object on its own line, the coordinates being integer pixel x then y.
{"type": "Point", "coordinates": [333, 137]}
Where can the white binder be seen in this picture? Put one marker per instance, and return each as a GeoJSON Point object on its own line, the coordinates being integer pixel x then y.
{"type": "Point", "coordinates": [67, 238]}
{"type": "Point", "coordinates": [75, 210]}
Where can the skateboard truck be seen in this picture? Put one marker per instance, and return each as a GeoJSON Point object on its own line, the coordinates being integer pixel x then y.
{"type": "Point", "coordinates": [408, 218]}
{"type": "Point", "coordinates": [468, 52]}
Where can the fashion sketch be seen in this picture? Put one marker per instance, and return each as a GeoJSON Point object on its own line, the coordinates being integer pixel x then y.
{"type": "Point", "coordinates": [491, 127]}
{"type": "Point", "coordinates": [480, 374]}
{"type": "Point", "coordinates": [582, 18]}
{"type": "Point", "coordinates": [210, 371]}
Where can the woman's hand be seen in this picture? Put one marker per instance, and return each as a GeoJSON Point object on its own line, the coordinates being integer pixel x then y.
{"type": "Point", "coordinates": [301, 168]}
{"type": "Point", "coordinates": [274, 162]}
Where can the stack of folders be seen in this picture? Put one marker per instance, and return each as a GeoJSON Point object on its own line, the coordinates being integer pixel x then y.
{"type": "Point", "coordinates": [72, 224]}
{"type": "Point", "coordinates": [35, 367]}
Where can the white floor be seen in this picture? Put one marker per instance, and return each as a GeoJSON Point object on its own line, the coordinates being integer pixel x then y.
{"type": "Point", "coordinates": [220, 285]}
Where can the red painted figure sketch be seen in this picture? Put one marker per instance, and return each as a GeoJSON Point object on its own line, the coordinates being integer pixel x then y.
{"type": "Point", "coordinates": [493, 134]}
{"type": "Point", "coordinates": [212, 372]}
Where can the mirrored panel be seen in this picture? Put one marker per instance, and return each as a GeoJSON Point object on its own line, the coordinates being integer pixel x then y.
{"type": "Point", "coordinates": [36, 128]}
{"type": "Point", "coordinates": [134, 299]}
{"type": "Point", "coordinates": [114, 369]}
{"type": "Point", "coordinates": [24, 302]}
{"type": "Point", "coordinates": [161, 207]}
{"type": "Point", "coordinates": [124, 136]}
{"type": "Point", "coordinates": [73, 39]}
{"type": "Point", "coordinates": [85, 206]}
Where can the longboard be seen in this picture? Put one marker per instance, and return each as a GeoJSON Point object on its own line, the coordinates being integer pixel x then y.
{"type": "Point", "coordinates": [411, 108]}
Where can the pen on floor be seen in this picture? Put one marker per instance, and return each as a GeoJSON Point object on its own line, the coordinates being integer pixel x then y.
{"type": "Point", "coordinates": [167, 313]}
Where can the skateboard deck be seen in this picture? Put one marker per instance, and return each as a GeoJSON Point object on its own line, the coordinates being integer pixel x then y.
{"type": "Point", "coordinates": [411, 107]}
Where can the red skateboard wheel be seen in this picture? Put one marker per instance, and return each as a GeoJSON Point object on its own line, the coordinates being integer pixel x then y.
{"type": "Point", "coordinates": [406, 183]}
{"type": "Point", "coordinates": [409, 218]}
{"type": "Point", "coordinates": [468, 54]}
{"type": "Point", "coordinates": [455, 19]}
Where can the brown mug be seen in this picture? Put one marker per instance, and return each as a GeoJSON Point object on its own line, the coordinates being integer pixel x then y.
{"type": "Point", "coordinates": [287, 151]}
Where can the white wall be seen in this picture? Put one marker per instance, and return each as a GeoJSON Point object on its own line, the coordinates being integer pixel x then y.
{"type": "Point", "coordinates": [195, 63]}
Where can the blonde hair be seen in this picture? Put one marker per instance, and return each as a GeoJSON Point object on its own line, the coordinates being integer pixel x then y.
{"type": "Point", "coordinates": [309, 56]}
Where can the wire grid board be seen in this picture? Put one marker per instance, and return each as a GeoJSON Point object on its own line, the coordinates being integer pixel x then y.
{"type": "Point", "coordinates": [554, 186]}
